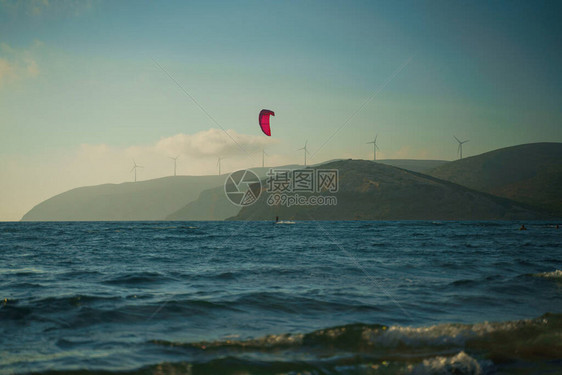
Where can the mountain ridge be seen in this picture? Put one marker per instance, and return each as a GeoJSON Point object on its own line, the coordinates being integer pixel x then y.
{"type": "Point", "coordinates": [142, 200]}
{"type": "Point", "coordinates": [490, 179]}
{"type": "Point", "coordinates": [530, 173]}
{"type": "Point", "coordinates": [374, 191]}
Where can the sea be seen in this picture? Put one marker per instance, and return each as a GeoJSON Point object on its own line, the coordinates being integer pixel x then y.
{"type": "Point", "coordinates": [309, 297]}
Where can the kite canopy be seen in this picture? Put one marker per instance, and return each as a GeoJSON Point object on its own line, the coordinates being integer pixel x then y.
{"type": "Point", "coordinates": [264, 121]}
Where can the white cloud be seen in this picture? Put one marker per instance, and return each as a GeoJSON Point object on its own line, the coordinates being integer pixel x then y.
{"type": "Point", "coordinates": [198, 154]}
{"type": "Point", "coordinates": [32, 68]}
{"type": "Point", "coordinates": [6, 71]}
{"type": "Point", "coordinates": [212, 142]}
{"type": "Point", "coordinates": [47, 8]}
{"type": "Point", "coordinates": [16, 64]}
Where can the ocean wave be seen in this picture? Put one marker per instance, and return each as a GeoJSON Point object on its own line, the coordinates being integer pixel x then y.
{"type": "Point", "coordinates": [557, 274]}
{"type": "Point", "coordinates": [22, 271]}
{"type": "Point", "coordinates": [137, 278]}
{"type": "Point", "coordinates": [460, 363]}
{"type": "Point", "coordinates": [448, 348]}
{"type": "Point", "coordinates": [517, 338]}
{"type": "Point", "coordinates": [42, 309]}
{"type": "Point", "coordinates": [62, 303]}
{"type": "Point", "coordinates": [288, 303]}
{"type": "Point", "coordinates": [86, 311]}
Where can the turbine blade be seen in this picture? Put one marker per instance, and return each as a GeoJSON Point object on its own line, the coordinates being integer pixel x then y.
{"type": "Point", "coordinates": [457, 139]}
{"type": "Point", "coordinates": [377, 147]}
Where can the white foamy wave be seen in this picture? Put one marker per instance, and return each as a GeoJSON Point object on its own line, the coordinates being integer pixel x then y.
{"type": "Point", "coordinates": [550, 275]}
{"type": "Point", "coordinates": [447, 335]}
{"type": "Point", "coordinates": [21, 270]}
{"type": "Point", "coordinates": [461, 363]}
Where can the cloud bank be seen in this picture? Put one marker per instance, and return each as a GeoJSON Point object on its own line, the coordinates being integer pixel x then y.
{"type": "Point", "coordinates": [48, 8]}
{"type": "Point", "coordinates": [212, 142]}
{"type": "Point", "coordinates": [16, 64]}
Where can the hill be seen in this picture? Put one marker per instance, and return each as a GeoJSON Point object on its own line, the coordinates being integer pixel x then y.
{"type": "Point", "coordinates": [374, 191]}
{"type": "Point", "coordinates": [212, 204]}
{"type": "Point", "coordinates": [529, 173]}
{"type": "Point", "coordinates": [157, 199]}
{"type": "Point", "coordinates": [142, 200]}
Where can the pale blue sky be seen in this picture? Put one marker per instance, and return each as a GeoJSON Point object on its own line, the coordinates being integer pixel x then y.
{"type": "Point", "coordinates": [77, 76]}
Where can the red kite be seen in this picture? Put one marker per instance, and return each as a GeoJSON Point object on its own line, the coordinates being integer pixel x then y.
{"type": "Point", "coordinates": [264, 121]}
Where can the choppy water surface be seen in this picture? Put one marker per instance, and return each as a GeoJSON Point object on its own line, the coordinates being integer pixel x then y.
{"type": "Point", "coordinates": [260, 298]}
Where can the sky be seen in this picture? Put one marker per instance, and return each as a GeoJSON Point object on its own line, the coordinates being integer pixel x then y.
{"type": "Point", "coordinates": [86, 87]}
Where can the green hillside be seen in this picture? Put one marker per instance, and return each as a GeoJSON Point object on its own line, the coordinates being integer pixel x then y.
{"type": "Point", "coordinates": [373, 191]}
{"type": "Point", "coordinates": [143, 200]}
{"type": "Point", "coordinates": [529, 173]}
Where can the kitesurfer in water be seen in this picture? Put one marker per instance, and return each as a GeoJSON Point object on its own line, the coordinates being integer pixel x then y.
{"type": "Point", "coordinates": [522, 227]}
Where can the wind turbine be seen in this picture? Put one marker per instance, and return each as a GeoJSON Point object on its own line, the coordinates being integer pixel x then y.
{"type": "Point", "coordinates": [135, 169]}
{"type": "Point", "coordinates": [459, 150]}
{"type": "Point", "coordinates": [175, 160]}
{"type": "Point", "coordinates": [305, 151]}
{"type": "Point", "coordinates": [263, 153]}
{"type": "Point", "coordinates": [375, 147]}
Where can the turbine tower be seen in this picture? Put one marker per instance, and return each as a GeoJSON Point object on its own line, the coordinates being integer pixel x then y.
{"type": "Point", "coordinates": [459, 150]}
{"type": "Point", "coordinates": [175, 160]}
{"type": "Point", "coordinates": [375, 147]}
{"type": "Point", "coordinates": [305, 151]}
{"type": "Point", "coordinates": [219, 165]}
{"type": "Point", "coordinates": [135, 169]}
